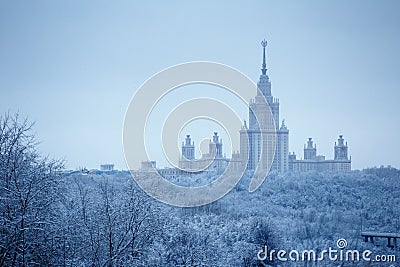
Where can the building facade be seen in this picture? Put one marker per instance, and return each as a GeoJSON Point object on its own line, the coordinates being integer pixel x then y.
{"type": "Point", "coordinates": [314, 162]}
{"type": "Point", "coordinates": [214, 160]}
{"type": "Point", "coordinates": [264, 141]}
{"type": "Point", "coordinates": [107, 167]}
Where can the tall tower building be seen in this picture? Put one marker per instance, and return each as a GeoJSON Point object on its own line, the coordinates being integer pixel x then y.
{"type": "Point", "coordinates": [265, 134]}
{"type": "Point", "coordinates": [264, 86]}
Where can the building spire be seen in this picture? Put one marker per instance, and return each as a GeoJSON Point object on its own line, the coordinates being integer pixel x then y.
{"type": "Point", "coordinates": [264, 65]}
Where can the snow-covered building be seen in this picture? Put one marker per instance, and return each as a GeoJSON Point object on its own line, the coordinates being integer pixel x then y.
{"type": "Point", "coordinates": [263, 140]}
{"type": "Point", "coordinates": [148, 165]}
{"type": "Point", "coordinates": [314, 162]}
{"type": "Point", "coordinates": [213, 160]}
{"type": "Point", "coordinates": [107, 167]}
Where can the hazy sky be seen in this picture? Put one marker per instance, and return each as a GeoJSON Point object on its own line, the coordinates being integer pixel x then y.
{"type": "Point", "coordinates": [73, 66]}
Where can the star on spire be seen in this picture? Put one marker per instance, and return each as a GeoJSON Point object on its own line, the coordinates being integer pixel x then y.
{"type": "Point", "coordinates": [264, 65]}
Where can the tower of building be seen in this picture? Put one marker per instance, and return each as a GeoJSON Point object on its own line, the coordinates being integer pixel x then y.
{"type": "Point", "coordinates": [266, 141]}
{"type": "Point", "coordinates": [282, 148]}
{"type": "Point", "coordinates": [341, 149]}
{"type": "Point", "coordinates": [188, 148]}
{"type": "Point", "coordinates": [257, 104]}
{"type": "Point", "coordinates": [310, 151]}
{"type": "Point", "coordinates": [215, 147]}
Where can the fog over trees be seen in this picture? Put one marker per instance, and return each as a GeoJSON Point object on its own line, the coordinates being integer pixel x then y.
{"type": "Point", "coordinates": [49, 218]}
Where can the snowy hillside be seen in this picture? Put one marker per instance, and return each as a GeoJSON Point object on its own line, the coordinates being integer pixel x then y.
{"type": "Point", "coordinates": [294, 211]}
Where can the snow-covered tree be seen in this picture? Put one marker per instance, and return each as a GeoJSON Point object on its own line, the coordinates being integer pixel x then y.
{"type": "Point", "coordinates": [29, 194]}
{"type": "Point", "coordinates": [113, 222]}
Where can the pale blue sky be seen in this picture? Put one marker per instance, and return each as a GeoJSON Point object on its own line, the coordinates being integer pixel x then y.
{"type": "Point", "coordinates": [72, 66]}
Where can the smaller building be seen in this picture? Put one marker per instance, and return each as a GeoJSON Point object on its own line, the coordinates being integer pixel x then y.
{"type": "Point", "coordinates": [107, 167]}
{"type": "Point", "coordinates": [314, 162]}
{"type": "Point", "coordinates": [214, 160]}
{"type": "Point", "coordinates": [172, 172]}
{"type": "Point", "coordinates": [148, 165]}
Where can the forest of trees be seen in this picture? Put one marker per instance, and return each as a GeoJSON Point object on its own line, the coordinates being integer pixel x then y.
{"type": "Point", "coordinates": [52, 219]}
